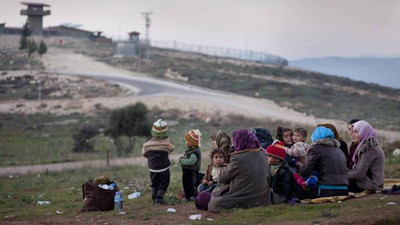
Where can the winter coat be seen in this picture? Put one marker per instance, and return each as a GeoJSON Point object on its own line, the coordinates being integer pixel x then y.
{"type": "Point", "coordinates": [352, 151]}
{"type": "Point", "coordinates": [282, 182]}
{"type": "Point", "coordinates": [156, 151]}
{"type": "Point", "coordinates": [344, 148]}
{"type": "Point", "coordinates": [325, 157]}
{"type": "Point", "coordinates": [368, 171]}
{"type": "Point", "coordinates": [243, 183]}
{"type": "Point", "coordinates": [208, 175]}
{"type": "Point", "coordinates": [196, 151]}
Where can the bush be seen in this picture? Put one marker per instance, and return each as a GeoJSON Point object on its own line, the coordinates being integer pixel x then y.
{"type": "Point", "coordinates": [130, 121]}
{"type": "Point", "coordinates": [83, 141]}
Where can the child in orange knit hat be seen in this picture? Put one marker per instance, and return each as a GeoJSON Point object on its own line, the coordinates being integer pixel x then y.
{"type": "Point", "coordinates": [191, 162]}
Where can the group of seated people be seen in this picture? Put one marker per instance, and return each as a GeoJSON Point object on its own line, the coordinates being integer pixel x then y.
{"type": "Point", "coordinates": [255, 170]}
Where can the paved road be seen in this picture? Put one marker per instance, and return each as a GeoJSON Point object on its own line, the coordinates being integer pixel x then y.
{"type": "Point", "coordinates": [146, 86]}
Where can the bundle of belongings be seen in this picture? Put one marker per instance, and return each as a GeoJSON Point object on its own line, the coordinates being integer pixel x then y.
{"type": "Point", "coordinates": [391, 187]}
{"type": "Point", "coordinates": [98, 195]}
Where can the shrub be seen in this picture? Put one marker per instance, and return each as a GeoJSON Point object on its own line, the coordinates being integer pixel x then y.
{"type": "Point", "coordinates": [83, 140]}
{"type": "Point", "coordinates": [130, 121]}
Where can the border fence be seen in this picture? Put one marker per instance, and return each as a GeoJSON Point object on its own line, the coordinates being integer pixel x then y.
{"type": "Point", "coordinates": [248, 55]}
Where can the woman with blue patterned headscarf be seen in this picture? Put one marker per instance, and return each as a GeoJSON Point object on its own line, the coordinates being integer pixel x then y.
{"type": "Point", "coordinates": [325, 157]}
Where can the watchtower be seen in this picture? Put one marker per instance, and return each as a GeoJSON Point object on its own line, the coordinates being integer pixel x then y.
{"type": "Point", "coordinates": [35, 15]}
{"type": "Point", "coordinates": [134, 36]}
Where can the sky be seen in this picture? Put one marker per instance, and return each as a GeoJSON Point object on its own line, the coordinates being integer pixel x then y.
{"type": "Point", "coordinates": [293, 29]}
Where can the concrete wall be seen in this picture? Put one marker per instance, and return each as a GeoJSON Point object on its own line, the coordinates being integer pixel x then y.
{"type": "Point", "coordinates": [36, 24]}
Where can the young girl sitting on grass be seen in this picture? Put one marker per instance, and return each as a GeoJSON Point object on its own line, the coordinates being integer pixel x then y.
{"type": "Point", "coordinates": [213, 170]}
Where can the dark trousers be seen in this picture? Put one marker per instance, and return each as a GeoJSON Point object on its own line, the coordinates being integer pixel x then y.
{"type": "Point", "coordinates": [159, 183]}
{"type": "Point", "coordinates": [189, 182]}
{"type": "Point", "coordinates": [353, 187]}
{"type": "Point", "coordinates": [313, 193]}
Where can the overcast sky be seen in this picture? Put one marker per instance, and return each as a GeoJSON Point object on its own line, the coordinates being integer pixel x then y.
{"type": "Point", "coordinates": [290, 28]}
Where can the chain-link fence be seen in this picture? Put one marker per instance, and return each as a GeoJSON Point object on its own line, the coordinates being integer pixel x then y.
{"type": "Point", "coordinates": [248, 55]}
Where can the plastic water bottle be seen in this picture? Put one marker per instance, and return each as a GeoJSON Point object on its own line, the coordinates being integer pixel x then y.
{"type": "Point", "coordinates": [118, 201]}
{"type": "Point", "coordinates": [111, 186]}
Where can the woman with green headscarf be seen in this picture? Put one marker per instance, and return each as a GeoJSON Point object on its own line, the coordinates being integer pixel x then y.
{"type": "Point", "coordinates": [222, 141]}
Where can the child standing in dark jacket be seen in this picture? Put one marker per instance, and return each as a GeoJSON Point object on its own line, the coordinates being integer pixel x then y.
{"type": "Point", "coordinates": [156, 150]}
{"type": "Point", "coordinates": [281, 179]}
{"type": "Point", "coordinates": [191, 162]}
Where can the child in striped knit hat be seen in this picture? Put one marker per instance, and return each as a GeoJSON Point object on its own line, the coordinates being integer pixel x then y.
{"type": "Point", "coordinates": [156, 150]}
{"type": "Point", "coordinates": [191, 162]}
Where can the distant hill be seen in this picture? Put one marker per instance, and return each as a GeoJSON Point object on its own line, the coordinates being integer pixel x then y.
{"type": "Point", "coordinates": [383, 71]}
{"type": "Point", "coordinates": [312, 93]}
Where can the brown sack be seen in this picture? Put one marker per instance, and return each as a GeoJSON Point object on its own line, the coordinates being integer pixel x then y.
{"type": "Point", "coordinates": [96, 198]}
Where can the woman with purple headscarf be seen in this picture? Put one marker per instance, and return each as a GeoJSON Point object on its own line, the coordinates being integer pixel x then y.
{"type": "Point", "coordinates": [369, 160]}
{"type": "Point", "coordinates": [243, 183]}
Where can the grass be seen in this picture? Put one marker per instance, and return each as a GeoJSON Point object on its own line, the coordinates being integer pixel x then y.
{"type": "Point", "coordinates": [22, 135]}
{"type": "Point", "coordinates": [18, 60]}
{"type": "Point", "coordinates": [40, 139]}
{"type": "Point", "coordinates": [63, 190]}
{"type": "Point", "coordinates": [19, 196]}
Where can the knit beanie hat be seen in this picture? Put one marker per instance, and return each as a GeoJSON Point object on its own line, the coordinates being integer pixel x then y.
{"type": "Point", "coordinates": [193, 137]}
{"type": "Point", "coordinates": [159, 129]}
{"type": "Point", "coordinates": [277, 150]}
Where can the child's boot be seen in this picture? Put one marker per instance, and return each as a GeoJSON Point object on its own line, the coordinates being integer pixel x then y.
{"type": "Point", "coordinates": [159, 200]}
{"type": "Point", "coordinates": [153, 195]}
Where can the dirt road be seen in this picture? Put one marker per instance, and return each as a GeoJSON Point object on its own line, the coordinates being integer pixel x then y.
{"type": "Point", "coordinates": [20, 170]}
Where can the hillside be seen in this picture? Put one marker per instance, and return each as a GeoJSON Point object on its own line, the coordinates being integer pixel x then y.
{"type": "Point", "coordinates": [383, 71]}
{"type": "Point", "coordinates": [309, 92]}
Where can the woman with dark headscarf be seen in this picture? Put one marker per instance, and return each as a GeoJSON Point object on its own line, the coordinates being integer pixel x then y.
{"type": "Point", "coordinates": [244, 182]}
{"type": "Point", "coordinates": [222, 141]}
{"type": "Point", "coordinates": [325, 157]}
{"type": "Point", "coordinates": [264, 136]}
{"type": "Point", "coordinates": [343, 145]}
{"type": "Point", "coordinates": [369, 159]}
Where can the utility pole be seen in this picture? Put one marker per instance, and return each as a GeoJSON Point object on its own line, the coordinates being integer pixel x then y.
{"type": "Point", "coordinates": [146, 16]}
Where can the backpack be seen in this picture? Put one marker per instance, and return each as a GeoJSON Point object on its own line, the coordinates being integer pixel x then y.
{"type": "Point", "coordinates": [96, 198]}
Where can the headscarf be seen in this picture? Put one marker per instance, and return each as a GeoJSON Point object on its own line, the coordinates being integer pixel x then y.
{"type": "Point", "coordinates": [321, 133]}
{"type": "Point", "coordinates": [244, 139]}
{"type": "Point", "coordinates": [264, 136]}
{"type": "Point", "coordinates": [364, 129]}
{"type": "Point", "coordinates": [333, 129]}
{"type": "Point", "coordinates": [222, 139]}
